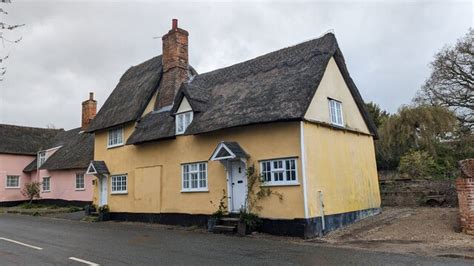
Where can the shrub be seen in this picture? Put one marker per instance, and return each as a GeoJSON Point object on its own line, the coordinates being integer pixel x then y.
{"type": "Point", "coordinates": [31, 190]}
{"type": "Point", "coordinates": [417, 164]}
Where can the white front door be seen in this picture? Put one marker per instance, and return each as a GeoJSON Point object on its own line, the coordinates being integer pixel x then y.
{"type": "Point", "coordinates": [103, 191]}
{"type": "Point", "coordinates": [238, 184]}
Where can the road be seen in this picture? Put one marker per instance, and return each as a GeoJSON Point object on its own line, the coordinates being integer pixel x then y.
{"type": "Point", "coordinates": [27, 240]}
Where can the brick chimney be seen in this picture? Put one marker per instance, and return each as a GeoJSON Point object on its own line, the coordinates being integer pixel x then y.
{"type": "Point", "coordinates": [175, 64]}
{"type": "Point", "coordinates": [89, 109]}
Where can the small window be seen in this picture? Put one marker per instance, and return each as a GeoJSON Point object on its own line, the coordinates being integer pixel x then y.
{"type": "Point", "coordinates": [335, 111]}
{"type": "Point", "coordinates": [115, 137]}
{"type": "Point", "coordinates": [13, 181]}
{"type": "Point", "coordinates": [46, 184]}
{"type": "Point", "coordinates": [182, 121]}
{"type": "Point", "coordinates": [41, 158]}
{"type": "Point", "coordinates": [279, 172]}
{"type": "Point", "coordinates": [80, 182]}
{"type": "Point", "coordinates": [119, 184]}
{"type": "Point", "coordinates": [194, 176]}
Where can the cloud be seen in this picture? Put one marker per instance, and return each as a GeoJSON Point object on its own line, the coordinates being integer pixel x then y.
{"type": "Point", "coordinates": [69, 49]}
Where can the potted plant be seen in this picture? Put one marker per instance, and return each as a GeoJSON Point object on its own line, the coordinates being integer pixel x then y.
{"type": "Point", "coordinates": [221, 211]}
{"type": "Point", "coordinates": [104, 213]}
{"type": "Point", "coordinates": [248, 222]}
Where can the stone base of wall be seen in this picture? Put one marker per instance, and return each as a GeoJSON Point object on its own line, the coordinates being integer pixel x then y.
{"type": "Point", "coordinates": [465, 188]}
{"type": "Point", "coordinates": [305, 228]}
{"type": "Point", "coordinates": [57, 202]}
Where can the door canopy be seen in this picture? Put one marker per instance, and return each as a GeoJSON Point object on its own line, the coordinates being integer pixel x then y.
{"type": "Point", "coordinates": [229, 150]}
{"type": "Point", "coordinates": [97, 168]}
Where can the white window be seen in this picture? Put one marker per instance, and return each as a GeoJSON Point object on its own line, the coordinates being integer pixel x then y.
{"type": "Point", "coordinates": [46, 184]}
{"type": "Point", "coordinates": [194, 176]}
{"type": "Point", "coordinates": [279, 172]}
{"type": "Point", "coordinates": [13, 181]}
{"type": "Point", "coordinates": [119, 184]}
{"type": "Point", "coordinates": [182, 121]}
{"type": "Point", "coordinates": [335, 111]}
{"type": "Point", "coordinates": [80, 182]}
{"type": "Point", "coordinates": [115, 137]}
{"type": "Point", "coordinates": [41, 158]}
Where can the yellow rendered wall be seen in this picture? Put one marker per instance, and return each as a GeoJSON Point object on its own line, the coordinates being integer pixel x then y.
{"type": "Point", "coordinates": [154, 170]}
{"type": "Point", "coordinates": [342, 165]}
{"type": "Point", "coordinates": [332, 85]}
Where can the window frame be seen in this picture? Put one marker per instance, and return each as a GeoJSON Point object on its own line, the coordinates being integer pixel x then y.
{"type": "Point", "coordinates": [118, 144]}
{"type": "Point", "coordinates": [198, 172]}
{"type": "Point", "coordinates": [181, 117]}
{"type": "Point", "coordinates": [335, 113]}
{"type": "Point", "coordinates": [11, 187]}
{"type": "Point", "coordinates": [83, 182]}
{"type": "Point", "coordinates": [283, 170]}
{"type": "Point", "coordinates": [121, 191]}
{"type": "Point", "coordinates": [41, 158]}
{"type": "Point", "coordinates": [49, 184]}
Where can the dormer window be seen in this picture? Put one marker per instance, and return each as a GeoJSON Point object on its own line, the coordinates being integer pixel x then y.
{"type": "Point", "coordinates": [335, 112]}
{"type": "Point", "coordinates": [115, 137]}
{"type": "Point", "coordinates": [182, 122]}
{"type": "Point", "coordinates": [41, 158]}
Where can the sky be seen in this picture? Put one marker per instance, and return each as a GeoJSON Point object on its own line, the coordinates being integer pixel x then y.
{"type": "Point", "coordinates": [71, 48]}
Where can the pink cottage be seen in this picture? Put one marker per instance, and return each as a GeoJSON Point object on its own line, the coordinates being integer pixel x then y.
{"type": "Point", "coordinates": [55, 157]}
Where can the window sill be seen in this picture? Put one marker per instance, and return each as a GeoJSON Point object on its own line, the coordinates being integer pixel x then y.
{"type": "Point", "coordinates": [46, 191]}
{"type": "Point", "coordinates": [80, 189]}
{"type": "Point", "coordinates": [12, 187]}
{"type": "Point", "coordinates": [280, 184]}
{"type": "Point", "coordinates": [115, 146]}
{"type": "Point", "coordinates": [195, 190]}
{"type": "Point", "coordinates": [119, 193]}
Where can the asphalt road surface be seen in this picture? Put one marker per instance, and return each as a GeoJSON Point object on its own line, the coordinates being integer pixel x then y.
{"type": "Point", "coordinates": [26, 240]}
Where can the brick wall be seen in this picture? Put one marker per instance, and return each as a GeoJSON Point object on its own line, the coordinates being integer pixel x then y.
{"type": "Point", "coordinates": [465, 189]}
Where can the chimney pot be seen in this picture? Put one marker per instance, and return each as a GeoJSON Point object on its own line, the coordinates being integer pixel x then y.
{"type": "Point", "coordinates": [174, 25]}
{"type": "Point", "coordinates": [91, 96]}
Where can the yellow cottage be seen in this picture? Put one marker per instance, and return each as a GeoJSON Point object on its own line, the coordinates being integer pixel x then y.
{"type": "Point", "coordinates": [168, 141]}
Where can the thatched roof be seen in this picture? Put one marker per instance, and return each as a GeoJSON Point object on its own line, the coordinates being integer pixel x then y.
{"type": "Point", "coordinates": [25, 140]}
{"type": "Point", "coordinates": [77, 150]}
{"type": "Point", "coordinates": [129, 99]}
{"type": "Point", "coordinates": [278, 86]}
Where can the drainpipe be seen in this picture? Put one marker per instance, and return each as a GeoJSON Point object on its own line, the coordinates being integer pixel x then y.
{"type": "Point", "coordinates": [321, 207]}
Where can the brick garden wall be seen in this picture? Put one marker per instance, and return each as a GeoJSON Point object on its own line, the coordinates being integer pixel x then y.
{"type": "Point", "coordinates": [465, 189]}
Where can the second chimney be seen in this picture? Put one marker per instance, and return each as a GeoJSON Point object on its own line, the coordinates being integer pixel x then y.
{"type": "Point", "coordinates": [175, 64]}
{"type": "Point", "coordinates": [89, 109]}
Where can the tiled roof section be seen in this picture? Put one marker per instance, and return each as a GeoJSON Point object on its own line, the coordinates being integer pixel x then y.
{"type": "Point", "coordinates": [25, 140]}
{"type": "Point", "coordinates": [100, 167]}
{"type": "Point", "coordinates": [235, 149]}
{"type": "Point", "coordinates": [129, 99]}
{"type": "Point", "coordinates": [278, 86]}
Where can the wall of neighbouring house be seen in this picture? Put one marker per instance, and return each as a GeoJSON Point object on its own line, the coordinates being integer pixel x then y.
{"type": "Point", "coordinates": [13, 165]}
{"type": "Point", "coordinates": [154, 170]}
{"type": "Point", "coordinates": [333, 86]}
{"type": "Point", "coordinates": [342, 165]}
{"type": "Point", "coordinates": [63, 185]}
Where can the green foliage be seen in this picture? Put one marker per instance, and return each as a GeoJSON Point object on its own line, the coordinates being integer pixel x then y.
{"type": "Point", "coordinates": [31, 190]}
{"type": "Point", "coordinates": [104, 209]}
{"type": "Point", "coordinates": [222, 207]}
{"type": "Point", "coordinates": [378, 115]}
{"type": "Point", "coordinates": [417, 164]}
{"type": "Point", "coordinates": [414, 128]}
{"type": "Point", "coordinates": [256, 191]}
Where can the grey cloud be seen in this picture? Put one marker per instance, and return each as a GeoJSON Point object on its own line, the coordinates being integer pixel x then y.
{"type": "Point", "coordinates": [69, 49]}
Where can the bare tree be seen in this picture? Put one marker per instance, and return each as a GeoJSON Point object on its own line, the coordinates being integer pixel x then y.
{"type": "Point", "coordinates": [5, 28]}
{"type": "Point", "coordinates": [451, 83]}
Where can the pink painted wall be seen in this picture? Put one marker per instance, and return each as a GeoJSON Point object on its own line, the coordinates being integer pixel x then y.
{"type": "Point", "coordinates": [63, 185]}
{"type": "Point", "coordinates": [13, 165]}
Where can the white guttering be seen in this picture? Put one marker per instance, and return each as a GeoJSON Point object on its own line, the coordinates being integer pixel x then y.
{"type": "Point", "coordinates": [303, 171]}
